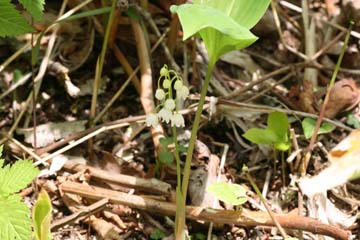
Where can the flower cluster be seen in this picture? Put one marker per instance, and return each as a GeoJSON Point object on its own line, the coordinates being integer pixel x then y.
{"type": "Point", "coordinates": [169, 104]}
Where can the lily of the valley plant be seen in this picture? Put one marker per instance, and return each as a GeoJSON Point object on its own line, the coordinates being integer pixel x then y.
{"type": "Point", "coordinates": [223, 26]}
{"type": "Point", "coordinates": [169, 103]}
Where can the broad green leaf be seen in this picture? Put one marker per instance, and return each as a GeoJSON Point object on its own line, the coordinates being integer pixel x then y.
{"type": "Point", "coordinates": [11, 21]}
{"type": "Point", "coordinates": [276, 133]}
{"type": "Point", "coordinates": [14, 219]}
{"type": "Point", "coordinates": [222, 25]}
{"type": "Point", "coordinates": [244, 12]}
{"type": "Point", "coordinates": [34, 7]}
{"type": "Point", "coordinates": [16, 177]}
{"type": "Point", "coordinates": [278, 123]}
{"type": "Point", "coordinates": [166, 157]}
{"type": "Point", "coordinates": [260, 136]}
{"type": "Point", "coordinates": [309, 124]}
{"type": "Point", "coordinates": [166, 141]}
{"type": "Point", "coordinates": [229, 193]}
{"type": "Point", "coordinates": [220, 36]}
{"type": "Point", "coordinates": [157, 234]}
{"type": "Point", "coordinates": [42, 216]}
{"type": "Point", "coordinates": [195, 17]}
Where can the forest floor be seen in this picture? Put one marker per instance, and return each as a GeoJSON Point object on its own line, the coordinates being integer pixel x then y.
{"type": "Point", "coordinates": [101, 165]}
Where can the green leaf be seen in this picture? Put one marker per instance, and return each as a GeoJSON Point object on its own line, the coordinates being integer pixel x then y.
{"type": "Point", "coordinates": [353, 121]}
{"type": "Point", "coordinates": [17, 75]}
{"type": "Point", "coordinates": [11, 21]}
{"type": "Point", "coordinates": [42, 216]}
{"type": "Point", "coordinates": [309, 124]}
{"type": "Point", "coordinates": [166, 141]}
{"type": "Point", "coordinates": [246, 13]}
{"type": "Point", "coordinates": [260, 136]}
{"type": "Point", "coordinates": [276, 133]}
{"type": "Point", "coordinates": [157, 234]}
{"type": "Point", "coordinates": [166, 157]}
{"type": "Point", "coordinates": [34, 7]}
{"type": "Point", "coordinates": [182, 148]}
{"type": "Point", "coordinates": [14, 219]}
{"type": "Point", "coordinates": [279, 124]}
{"type": "Point", "coordinates": [16, 177]}
{"type": "Point", "coordinates": [229, 31]}
{"type": "Point", "coordinates": [229, 193]}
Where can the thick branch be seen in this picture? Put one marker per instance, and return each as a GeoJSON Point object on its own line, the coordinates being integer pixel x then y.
{"type": "Point", "coordinates": [244, 218]}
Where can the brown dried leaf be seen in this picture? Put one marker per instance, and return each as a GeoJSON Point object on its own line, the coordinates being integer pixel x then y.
{"type": "Point", "coordinates": [343, 97]}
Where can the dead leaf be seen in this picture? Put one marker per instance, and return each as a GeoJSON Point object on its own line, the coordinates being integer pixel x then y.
{"type": "Point", "coordinates": [345, 163]}
{"type": "Point", "coordinates": [47, 134]}
{"type": "Point", "coordinates": [343, 97]}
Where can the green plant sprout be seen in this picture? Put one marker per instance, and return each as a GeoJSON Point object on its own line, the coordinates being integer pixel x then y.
{"type": "Point", "coordinates": [309, 124]}
{"type": "Point", "coordinates": [275, 134]}
{"type": "Point", "coordinates": [42, 216]}
{"type": "Point", "coordinates": [229, 32]}
{"type": "Point", "coordinates": [13, 23]}
{"type": "Point", "coordinates": [15, 220]}
{"type": "Point", "coordinates": [233, 194]}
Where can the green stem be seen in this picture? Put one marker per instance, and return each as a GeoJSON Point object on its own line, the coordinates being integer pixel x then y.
{"type": "Point", "coordinates": [263, 200]}
{"type": "Point", "coordinates": [100, 63]}
{"type": "Point", "coordinates": [195, 129]}
{"type": "Point", "coordinates": [177, 157]}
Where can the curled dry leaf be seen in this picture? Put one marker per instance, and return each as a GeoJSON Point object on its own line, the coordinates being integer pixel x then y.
{"type": "Point", "coordinates": [345, 165]}
{"type": "Point", "coordinates": [344, 96]}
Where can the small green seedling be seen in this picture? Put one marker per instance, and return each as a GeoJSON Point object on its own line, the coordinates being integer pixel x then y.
{"type": "Point", "coordinates": [42, 216]}
{"type": "Point", "coordinates": [15, 222]}
{"type": "Point", "coordinates": [157, 234]}
{"type": "Point", "coordinates": [309, 124]}
{"type": "Point", "coordinates": [13, 23]}
{"type": "Point", "coordinates": [233, 194]}
{"type": "Point", "coordinates": [276, 133]}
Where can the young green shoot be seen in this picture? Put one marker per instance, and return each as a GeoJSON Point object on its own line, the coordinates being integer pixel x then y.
{"type": "Point", "coordinates": [275, 135]}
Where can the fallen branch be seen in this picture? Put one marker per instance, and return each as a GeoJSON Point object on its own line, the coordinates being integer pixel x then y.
{"type": "Point", "coordinates": [153, 185]}
{"type": "Point", "coordinates": [244, 218]}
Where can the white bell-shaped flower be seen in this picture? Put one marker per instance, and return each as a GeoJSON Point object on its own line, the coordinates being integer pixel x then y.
{"type": "Point", "coordinates": [165, 115]}
{"type": "Point", "coordinates": [178, 84]}
{"type": "Point", "coordinates": [177, 120]}
{"type": "Point", "coordinates": [164, 71]}
{"type": "Point", "coordinates": [166, 83]}
{"type": "Point", "coordinates": [169, 104]}
{"type": "Point", "coordinates": [160, 94]}
{"type": "Point", "coordinates": [152, 120]}
{"type": "Point", "coordinates": [183, 92]}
